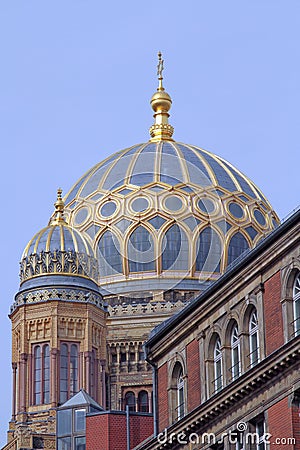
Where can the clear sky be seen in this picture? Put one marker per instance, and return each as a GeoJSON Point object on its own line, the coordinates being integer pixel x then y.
{"type": "Point", "coordinates": [75, 82]}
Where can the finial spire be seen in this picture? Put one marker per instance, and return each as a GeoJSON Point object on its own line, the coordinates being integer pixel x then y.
{"type": "Point", "coordinates": [58, 216]}
{"type": "Point", "coordinates": [161, 103]}
{"type": "Point", "coordinates": [160, 68]}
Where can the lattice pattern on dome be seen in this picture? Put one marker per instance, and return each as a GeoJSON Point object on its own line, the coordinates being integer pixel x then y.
{"type": "Point", "coordinates": [152, 187]}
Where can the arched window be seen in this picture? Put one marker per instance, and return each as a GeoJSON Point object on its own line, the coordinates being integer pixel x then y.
{"type": "Point", "coordinates": [180, 395]}
{"type": "Point", "coordinates": [143, 401]}
{"type": "Point", "coordinates": [141, 251]}
{"type": "Point", "coordinates": [110, 261]}
{"type": "Point", "coordinates": [130, 401]}
{"type": "Point", "coordinates": [235, 354]}
{"type": "Point", "coordinates": [177, 392]}
{"type": "Point", "coordinates": [253, 339]}
{"type": "Point", "coordinates": [41, 368]}
{"type": "Point", "coordinates": [209, 251]}
{"type": "Point", "coordinates": [175, 248]}
{"type": "Point", "coordinates": [73, 369]}
{"type": "Point", "coordinates": [296, 305]}
{"type": "Point", "coordinates": [68, 371]}
{"type": "Point", "coordinates": [93, 375]}
{"type": "Point", "coordinates": [237, 245]}
{"type": "Point", "coordinates": [218, 370]}
{"type": "Point", "coordinates": [37, 375]}
{"type": "Point", "coordinates": [46, 374]}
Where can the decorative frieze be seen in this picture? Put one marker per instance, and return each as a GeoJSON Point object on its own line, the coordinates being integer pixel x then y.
{"type": "Point", "coordinates": [58, 262]}
{"type": "Point", "coordinates": [58, 294]}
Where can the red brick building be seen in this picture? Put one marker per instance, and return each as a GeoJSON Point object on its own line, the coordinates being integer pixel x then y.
{"type": "Point", "coordinates": [227, 366]}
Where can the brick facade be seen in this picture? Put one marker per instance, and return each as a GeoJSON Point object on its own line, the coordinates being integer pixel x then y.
{"type": "Point", "coordinates": [193, 365]}
{"type": "Point", "coordinates": [280, 424]}
{"type": "Point", "coordinates": [163, 404]}
{"type": "Point", "coordinates": [273, 313]}
{"type": "Point", "coordinates": [107, 431]}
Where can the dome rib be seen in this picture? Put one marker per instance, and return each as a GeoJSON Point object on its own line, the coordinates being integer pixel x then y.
{"type": "Point", "coordinates": [132, 163]}
{"type": "Point", "coordinates": [183, 163]}
{"type": "Point", "coordinates": [110, 169]}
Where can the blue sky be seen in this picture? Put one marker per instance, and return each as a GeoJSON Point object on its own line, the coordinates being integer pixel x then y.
{"type": "Point", "coordinates": [75, 83]}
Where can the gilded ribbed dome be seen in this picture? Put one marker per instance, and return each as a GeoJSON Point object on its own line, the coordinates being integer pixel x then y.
{"type": "Point", "coordinates": [58, 249]}
{"type": "Point", "coordinates": [162, 213]}
{"type": "Point", "coordinates": [165, 215]}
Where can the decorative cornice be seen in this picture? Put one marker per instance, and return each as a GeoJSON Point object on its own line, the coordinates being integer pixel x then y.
{"type": "Point", "coordinates": [57, 294]}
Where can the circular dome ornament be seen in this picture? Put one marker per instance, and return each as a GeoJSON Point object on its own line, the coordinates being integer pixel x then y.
{"type": "Point", "coordinates": [139, 204]}
{"type": "Point", "coordinates": [173, 203]}
{"type": "Point", "coordinates": [108, 209]}
{"type": "Point", "coordinates": [236, 210]}
{"type": "Point", "coordinates": [259, 217]}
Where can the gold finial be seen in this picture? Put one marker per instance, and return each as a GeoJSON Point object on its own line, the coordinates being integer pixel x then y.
{"type": "Point", "coordinates": [160, 68]}
{"type": "Point", "coordinates": [58, 215]}
{"type": "Point", "coordinates": [161, 103]}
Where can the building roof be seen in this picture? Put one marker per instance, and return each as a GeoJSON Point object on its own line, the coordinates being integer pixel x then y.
{"type": "Point", "coordinates": [165, 327]}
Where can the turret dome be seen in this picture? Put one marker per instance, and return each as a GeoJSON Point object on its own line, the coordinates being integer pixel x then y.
{"type": "Point", "coordinates": [58, 249]}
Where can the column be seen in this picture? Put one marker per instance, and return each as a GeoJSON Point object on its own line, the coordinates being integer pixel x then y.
{"type": "Point", "coordinates": [201, 339]}
{"type": "Point", "coordinates": [87, 359]}
{"type": "Point", "coordinates": [14, 387]}
{"type": "Point", "coordinates": [103, 382]}
{"type": "Point", "coordinates": [54, 380]}
{"type": "Point", "coordinates": [23, 381]}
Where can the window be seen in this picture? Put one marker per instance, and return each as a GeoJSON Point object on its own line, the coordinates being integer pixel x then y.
{"type": "Point", "coordinates": [143, 401]}
{"type": "Point", "coordinates": [235, 354]}
{"type": "Point", "coordinates": [71, 429]}
{"type": "Point", "coordinates": [209, 251]}
{"type": "Point", "coordinates": [253, 339]}
{"type": "Point", "coordinates": [238, 245]}
{"type": "Point", "coordinates": [93, 375]}
{"type": "Point", "coordinates": [180, 395]}
{"type": "Point", "coordinates": [110, 261]}
{"type": "Point", "coordinates": [130, 401]}
{"type": "Point", "coordinates": [41, 369]}
{"type": "Point", "coordinates": [68, 371]}
{"type": "Point", "coordinates": [175, 248]}
{"type": "Point", "coordinates": [256, 437]}
{"type": "Point", "coordinates": [141, 251]}
{"type": "Point", "coordinates": [218, 371]}
{"type": "Point", "coordinates": [260, 432]}
{"type": "Point", "coordinates": [296, 305]}
{"type": "Point", "coordinates": [177, 392]}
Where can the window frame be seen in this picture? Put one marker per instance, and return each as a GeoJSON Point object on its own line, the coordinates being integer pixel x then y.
{"type": "Point", "coordinates": [218, 381]}
{"type": "Point", "coordinates": [45, 394]}
{"type": "Point", "coordinates": [180, 408]}
{"type": "Point", "coordinates": [70, 380]}
{"type": "Point", "coordinates": [253, 335]}
{"type": "Point", "coordinates": [132, 406]}
{"type": "Point", "coordinates": [143, 404]}
{"type": "Point", "coordinates": [235, 350]}
{"type": "Point", "coordinates": [296, 306]}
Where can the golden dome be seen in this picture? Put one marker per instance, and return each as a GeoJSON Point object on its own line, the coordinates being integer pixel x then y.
{"type": "Point", "coordinates": [58, 249]}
